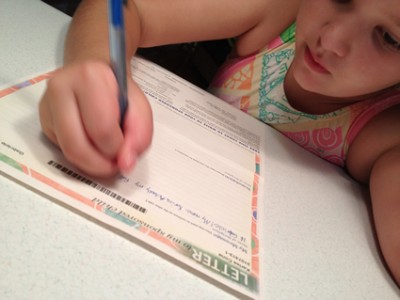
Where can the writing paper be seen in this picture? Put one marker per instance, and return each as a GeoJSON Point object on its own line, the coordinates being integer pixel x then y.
{"type": "Point", "coordinates": [195, 195]}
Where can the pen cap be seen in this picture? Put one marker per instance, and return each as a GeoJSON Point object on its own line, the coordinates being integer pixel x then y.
{"type": "Point", "coordinates": [117, 12]}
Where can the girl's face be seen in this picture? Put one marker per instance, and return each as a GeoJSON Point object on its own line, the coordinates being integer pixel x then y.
{"type": "Point", "coordinates": [347, 48]}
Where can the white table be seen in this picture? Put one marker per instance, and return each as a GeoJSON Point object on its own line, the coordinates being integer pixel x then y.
{"type": "Point", "coordinates": [319, 243]}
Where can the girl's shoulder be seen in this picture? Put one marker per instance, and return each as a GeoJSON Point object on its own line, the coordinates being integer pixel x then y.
{"type": "Point", "coordinates": [374, 132]}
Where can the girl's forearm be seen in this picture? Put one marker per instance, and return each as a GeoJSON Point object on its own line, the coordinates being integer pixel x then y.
{"type": "Point", "coordinates": [87, 37]}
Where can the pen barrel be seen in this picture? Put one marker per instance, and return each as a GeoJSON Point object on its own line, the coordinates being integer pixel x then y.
{"type": "Point", "coordinates": [118, 52]}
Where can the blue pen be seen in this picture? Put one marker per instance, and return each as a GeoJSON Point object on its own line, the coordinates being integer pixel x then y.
{"type": "Point", "coordinates": [117, 51]}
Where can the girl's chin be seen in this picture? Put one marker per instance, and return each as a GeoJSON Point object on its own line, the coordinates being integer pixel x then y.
{"type": "Point", "coordinates": [308, 83]}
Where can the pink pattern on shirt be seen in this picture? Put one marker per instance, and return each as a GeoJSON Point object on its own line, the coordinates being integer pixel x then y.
{"type": "Point", "coordinates": [323, 142]}
{"type": "Point", "coordinates": [235, 65]}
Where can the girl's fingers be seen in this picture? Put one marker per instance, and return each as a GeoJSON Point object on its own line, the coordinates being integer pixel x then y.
{"type": "Point", "coordinates": [79, 112]}
{"type": "Point", "coordinates": [98, 105]}
{"type": "Point", "coordinates": [138, 128]}
{"type": "Point", "coordinates": [63, 124]}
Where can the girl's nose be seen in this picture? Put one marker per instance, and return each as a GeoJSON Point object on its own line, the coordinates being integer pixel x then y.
{"type": "Point", "coordinates": [338, 36]}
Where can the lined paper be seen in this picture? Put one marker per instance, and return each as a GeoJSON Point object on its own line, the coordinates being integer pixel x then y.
{"type": "Point", "coordinates": [196, 194]}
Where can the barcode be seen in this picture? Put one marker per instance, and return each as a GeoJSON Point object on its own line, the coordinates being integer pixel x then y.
{"type": "Point", "coordinates": [97, 186]}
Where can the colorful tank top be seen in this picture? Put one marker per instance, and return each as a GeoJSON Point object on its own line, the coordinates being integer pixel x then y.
{"type": "Point", "coordinates": [255, 84]}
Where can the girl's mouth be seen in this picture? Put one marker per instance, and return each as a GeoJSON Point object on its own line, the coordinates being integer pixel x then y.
{"type": "Point", "coordinates": [312, 62]}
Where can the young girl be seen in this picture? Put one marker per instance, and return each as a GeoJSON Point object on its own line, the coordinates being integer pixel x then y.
{"type": "Point", "coordinates": [323, 72]}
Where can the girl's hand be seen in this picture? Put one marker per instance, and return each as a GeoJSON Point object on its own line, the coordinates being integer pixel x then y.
{"type": "Point", "coordinates": [79, 112]}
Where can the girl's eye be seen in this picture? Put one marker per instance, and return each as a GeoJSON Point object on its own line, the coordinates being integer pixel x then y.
{"type": "Point", "coordinates": [390, 41]}
{"type": "Point", "coordinates": [342, 1]}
